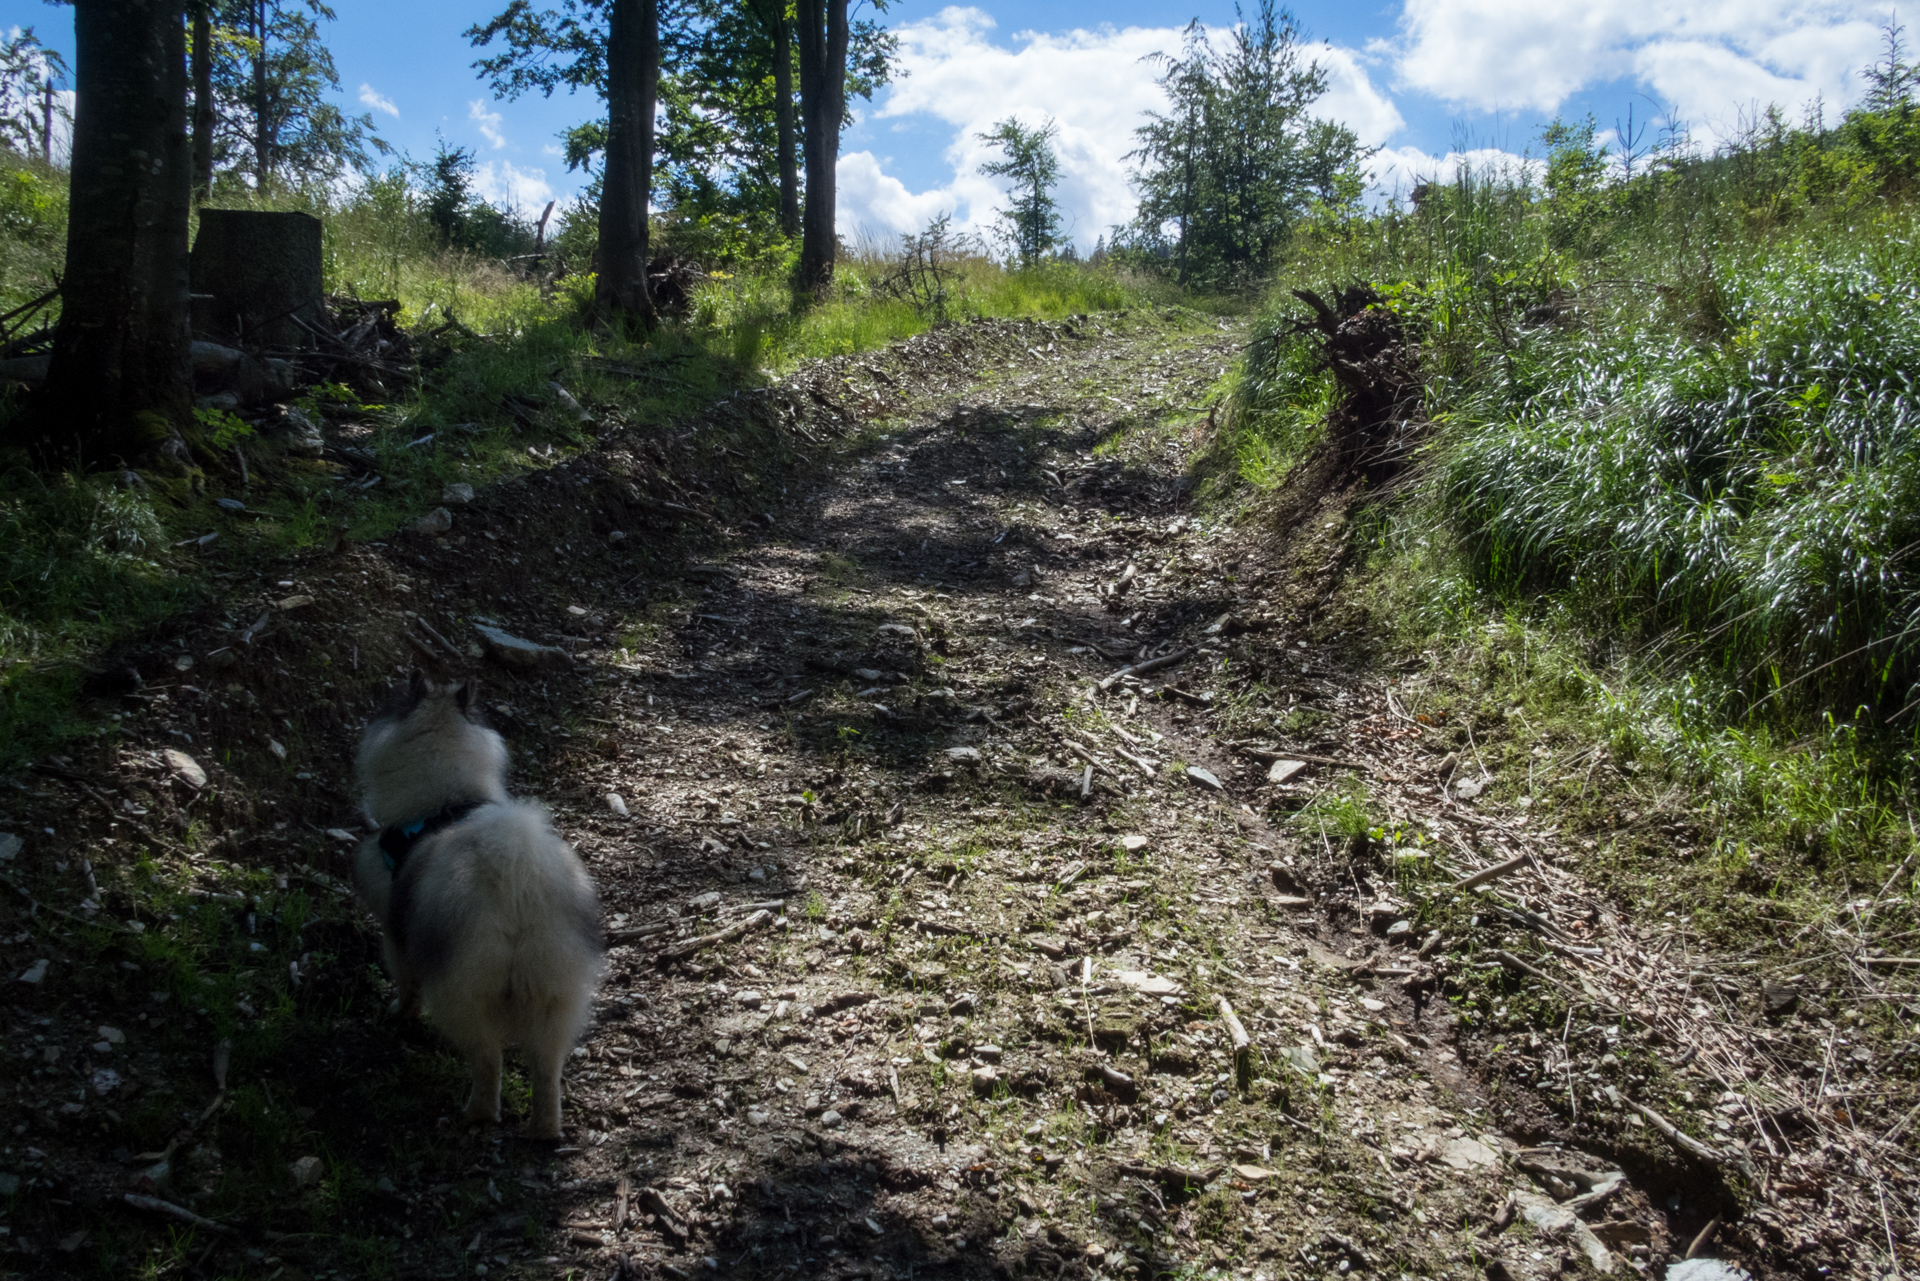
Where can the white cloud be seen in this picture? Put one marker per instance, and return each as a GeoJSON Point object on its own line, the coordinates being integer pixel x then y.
{"type": "Point", "coordinates": [369, 97]}
{"type": "Point", "coordinates": [500, 182]}
{"type": "Point", "coordinates": [1707, 59]}
{"type": "Point", "coordinates": [872, 202]}
{"type": "Point", "coordinates": [1094, 84]}
{"type": "Point", "coordinates": [489, 122]}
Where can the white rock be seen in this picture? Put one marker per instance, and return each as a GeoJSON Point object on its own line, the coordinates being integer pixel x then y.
{"type": "Point", "coordinates": [963, 754]}
{"type": "Point", "coordinates": [459, 493]}
{"type": "Point", "coordinates": [105, 1081]}
{"type": "Point", "coordinates": [1555, 1220]}
{"type": "Point", "coordinates": [1467, 1154]}
{"type": "Point", "coordinates": [1146, 983]}
{"type": "Point", "coordinates": [437, 521]}
{"type": "Point", "coordinates": [1283, 769]}
{"type": "Point", "coordinates": [10, 846]}
{"type": "Point", "coordinates": [1205, 777]}
{"type": "Point", "coordinates": [36, 972]}
{"type": "Point", "coordinates": [616, 804]}
{"type": "Point", "coordinates": [184, 768]}
{"type": "Point", "coordinates": [1468, 788]}
{"type": "Point", "coordinates": [277, 748]}
{"type": "Point", "coordinates": [112, 1035]}
{"type": "Point", "coordinates": [1707, 1270]}
{"type": "Point", "coordinates": [1133, 844]}
{"type": "Point", "coordinates": [306, 1172]}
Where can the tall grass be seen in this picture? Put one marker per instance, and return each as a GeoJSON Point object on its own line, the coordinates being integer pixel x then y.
{"type": "Point", "coordinates": [1671, 431]}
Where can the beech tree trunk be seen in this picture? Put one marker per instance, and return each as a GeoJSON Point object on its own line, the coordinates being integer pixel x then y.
{"type": "Point", "coordinates": [262, 129]}
{"type": "Point", "coordinates": [202, 102]}
{"type": "Point", "coordinates": [821, 27]}
{"type": "Point", "coordinates": [626, 187]}
{"type": "Point", "coordinates": [782, 32]}
{"type": "Point", "coordinates": [120, 380]}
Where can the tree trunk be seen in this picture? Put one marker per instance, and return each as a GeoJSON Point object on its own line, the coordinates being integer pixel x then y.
{"type": "Point", "coordinates": [120, 381]}
{"type": "Point", "coordinates": [783, 117]}
{"type": "Point", "coordinates": [633, 78]}
{"type": "Point", "coordinates": [202, 102]}
{"type": "Point", "coordinates": [262, 129]}
{"type": "Point", "coordinates": [822, 32]}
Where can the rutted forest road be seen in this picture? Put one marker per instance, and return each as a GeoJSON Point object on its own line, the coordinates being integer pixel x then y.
{"type": "Point", "coordinates": [941, 946]}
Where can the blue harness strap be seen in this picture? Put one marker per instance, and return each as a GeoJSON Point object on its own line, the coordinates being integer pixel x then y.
{"type": "Point", "coordinates": [397, 842]}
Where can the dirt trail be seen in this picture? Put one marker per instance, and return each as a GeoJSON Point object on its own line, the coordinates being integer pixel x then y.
{"type": "Point", "coordinates": [988, 920]}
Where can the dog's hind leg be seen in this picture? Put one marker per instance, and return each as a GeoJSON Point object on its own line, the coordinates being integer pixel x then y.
{"type": "Point", "coordinates": [546, 1049]}
{"type": "Point", "coordinates": [484, 1103]}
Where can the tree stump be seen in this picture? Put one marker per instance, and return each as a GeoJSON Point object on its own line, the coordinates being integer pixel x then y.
{"type": "Point", "coordinates": [256, 276]}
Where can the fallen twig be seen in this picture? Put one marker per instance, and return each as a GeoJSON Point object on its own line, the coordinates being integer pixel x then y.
{"type": "Point", "coordinates": [1676, 1136]}
{"type": "Point", "coordinates": [1493, 873]}
{"type": "Point", "coordinates": [680, 951]}
{"type": "Point", "coordinates": [1141, 669]}
{"type": "Point", "coordinates": [154, 1205]}
{"type": "Point", "coordinates": [1237, 1034]}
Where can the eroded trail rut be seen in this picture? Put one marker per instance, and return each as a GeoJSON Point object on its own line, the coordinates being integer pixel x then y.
{"type": "Point", "coordinates": [973, 1022]}
{"type": "Point", "coordinates": [945, 945]}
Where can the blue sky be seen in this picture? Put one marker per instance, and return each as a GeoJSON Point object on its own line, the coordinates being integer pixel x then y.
{"type": "Point", "coordinates": [1419, 78]}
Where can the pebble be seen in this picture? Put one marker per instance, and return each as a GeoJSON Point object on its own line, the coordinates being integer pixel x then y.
{"type": "Point", "coordinates": [305, 1172]}
{"type": "Point", "coordinates": [459, 493]}
{"type": "Point", "coordinates": [831, 1120]}
{"type": "Point", "coordinates": [184, 768]}
{"type": "Point", "coordinates": [1133, 844]}
{"type": "Point", "coordinates": [1205, 777]}
{"type": "Point", "coordinates": [36, 972]}
{"type": "Point", "coordinates": [1468, 788]}
{"type": "Point", "coordinates": [616, 804]}
{"type": "Point", "coordinates": [112, 1035]}
{"type": "Point", "coordinates": [105, 1081]}
{"type": "Point", "coordinates": [10, 846]}
{"type": "Point", "coordinates": [1282, 770]}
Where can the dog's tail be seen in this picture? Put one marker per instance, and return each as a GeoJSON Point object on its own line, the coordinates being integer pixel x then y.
{"type": "Point", "coordinates": [503, 930]}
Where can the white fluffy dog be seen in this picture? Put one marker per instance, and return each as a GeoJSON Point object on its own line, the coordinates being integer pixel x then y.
{"type": "Point", "coordinates": [492, 925]}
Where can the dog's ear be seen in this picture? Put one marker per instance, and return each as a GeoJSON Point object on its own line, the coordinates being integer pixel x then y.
{"type": "Point", "coordinates": [467, 697]}
{"type": "Point", "coordinates": [402, 699]}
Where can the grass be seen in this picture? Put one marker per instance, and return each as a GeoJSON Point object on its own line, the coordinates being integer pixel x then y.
{"type": "Point", "coordinates": [1662, 497]}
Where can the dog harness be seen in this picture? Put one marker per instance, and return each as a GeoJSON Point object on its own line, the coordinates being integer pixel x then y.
{"type": "Point", "coordinates": [397, 842]}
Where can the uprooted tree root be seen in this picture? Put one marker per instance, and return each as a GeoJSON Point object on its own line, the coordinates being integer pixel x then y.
{"type": "Point", "coordinates": [1367, 348]}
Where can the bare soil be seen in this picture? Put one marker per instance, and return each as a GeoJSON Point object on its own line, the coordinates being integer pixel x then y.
{"type": "Point", "coordinates": [1003, 913]}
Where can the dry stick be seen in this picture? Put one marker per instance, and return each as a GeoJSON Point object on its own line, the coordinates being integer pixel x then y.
{"type": "Point", "coordinates": [1274, 754]}
{"type": "Point", "coordinates": [1685, 1142]}
{"type": "Point", "coordinates": [156, 1206]}
{"type": "Point", "coordinates": [1141, 669]}
{"type": "Point", "coordinates": [623, 1191]}
{"type": "Point", "coordinates": [631, 933]}
{"type": "Point", "coordinates": [1706, 1235]}
{"type": "Point", "coordinates": [680, 951]}
{"type": "Point", "coordinates": [1493, 873]}
{"type": "Point", "coordinates": [443, 642]}
{"type": "Point", "coordinates": [1242, 1043]}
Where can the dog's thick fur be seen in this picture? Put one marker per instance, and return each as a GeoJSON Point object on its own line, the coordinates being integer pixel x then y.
{"type": "Point", "coordinates": [492, 925]}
